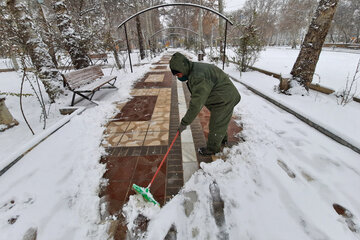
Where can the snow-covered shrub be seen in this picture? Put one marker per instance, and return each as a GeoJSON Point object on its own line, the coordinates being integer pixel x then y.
{"type": "Point", "coordinates": [346, 94]}
{"type": "Point", "coordinates": [249, 44]}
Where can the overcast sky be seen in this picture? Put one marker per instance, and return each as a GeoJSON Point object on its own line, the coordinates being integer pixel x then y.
{"type": "Point", "coordinates": [231, 5]}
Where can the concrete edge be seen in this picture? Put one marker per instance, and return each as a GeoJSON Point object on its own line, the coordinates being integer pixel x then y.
{"type": "Point", "coordinates": [14, 158]}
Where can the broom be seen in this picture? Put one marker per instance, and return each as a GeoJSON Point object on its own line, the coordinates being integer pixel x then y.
{"type": "Point", "coordinates": [145, 192]}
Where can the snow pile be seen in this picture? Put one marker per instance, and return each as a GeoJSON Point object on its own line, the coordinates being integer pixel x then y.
{"type": "Point", "coordinates": [136, 211]}
{"type": "Point", "coordinates": [297, 89]}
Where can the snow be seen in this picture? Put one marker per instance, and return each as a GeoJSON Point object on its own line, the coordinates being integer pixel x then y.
{"type": "Point", "coordinates": [261, 201]}
{"type": "Point", "coordinates": [38, 138]}
{"type": "Point", "coordinates": [54, 188]}
{"type": "Point", "coordinates": [281, 183]}
{"type": "Point", "coordinates": [331, 71]}
{"type": "Point", "coordinates": [320, 108]}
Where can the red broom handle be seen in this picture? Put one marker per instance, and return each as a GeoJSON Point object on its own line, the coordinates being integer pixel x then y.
{"type": "Point", "coordinates": [167, 153]}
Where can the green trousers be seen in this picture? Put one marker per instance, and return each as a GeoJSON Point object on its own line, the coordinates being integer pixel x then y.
{"type": "Point", "coordinates": [219, 121]}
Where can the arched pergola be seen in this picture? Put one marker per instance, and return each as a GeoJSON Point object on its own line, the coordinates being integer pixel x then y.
{"type": "Point", "coordinates": [174, 34]}
{"type": "Point", "coordinates": [164, 29]}
{"type": "Point", "coordinates": [170, 5]}
{"type": "Point", "coordinates": [181, 28]}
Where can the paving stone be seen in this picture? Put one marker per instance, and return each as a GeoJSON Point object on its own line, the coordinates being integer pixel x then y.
{"type": "Point", "coordinates": [140, 108]}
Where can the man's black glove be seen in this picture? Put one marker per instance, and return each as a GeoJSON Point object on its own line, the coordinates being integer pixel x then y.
{"type": "Point", "coordinates": [181, 128]}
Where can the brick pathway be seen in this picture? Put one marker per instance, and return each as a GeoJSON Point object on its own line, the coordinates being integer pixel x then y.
{"type": "Point", "coordinates": [137, 138]}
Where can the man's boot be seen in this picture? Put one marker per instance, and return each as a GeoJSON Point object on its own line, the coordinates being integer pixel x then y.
{"type": "Point", "coordinates": [224, 142]}
{"type": "Point", "coordinates": [205, 151]}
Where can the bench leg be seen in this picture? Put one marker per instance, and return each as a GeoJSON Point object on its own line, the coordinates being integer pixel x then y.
{"type": "Point", "coordinates": [112, 84]}
{"type": "Point", "coordinates": [84, 96]}
{"type": "Point", "coordinates": [73, 99]}
{"type": "Point", "coordinates": [91, 96]}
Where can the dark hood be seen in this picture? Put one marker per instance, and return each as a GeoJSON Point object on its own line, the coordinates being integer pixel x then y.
{"type": "Point", "coordinates": [180, 63]}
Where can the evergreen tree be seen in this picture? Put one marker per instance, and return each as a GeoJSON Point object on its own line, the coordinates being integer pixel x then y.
{"type": "Point", "coordinates": [71, 38]}
{"type": "Point", "coordinates": [33, 45]}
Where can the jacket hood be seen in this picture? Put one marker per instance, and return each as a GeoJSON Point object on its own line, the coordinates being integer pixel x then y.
{"type": "Point", "coordinates": [180, 63]}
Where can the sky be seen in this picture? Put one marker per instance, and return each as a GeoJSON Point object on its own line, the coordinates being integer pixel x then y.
{"type": "Point", "coordinates": [231, 5]}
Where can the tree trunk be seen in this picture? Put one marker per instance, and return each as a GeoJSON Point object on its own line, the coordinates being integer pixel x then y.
{"type": "Point", "coordinates": [109, 40]}
{"type": "Point", "coordinates": [111, 43]}
{"type": "Point", "coordinates": [140, 37]}
{"type": "Point", "coordinates": [202, 50]}
{"type": "Point", "coordinates": [72, 44]}
{"type": "Point", "coordinates": [14, 61]}
{"type": "Point", "coordinates": [46, 35]}
{"type": "Point", "coordinates": [221, 27]}
{"type": "Point", "coordinates": [304, 67]}
{"type": "Point", "coordinates": [37, 49]}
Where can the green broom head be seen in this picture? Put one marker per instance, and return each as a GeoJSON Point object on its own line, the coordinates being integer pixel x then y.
{"type": "Point", "coordinates": [145, 192]}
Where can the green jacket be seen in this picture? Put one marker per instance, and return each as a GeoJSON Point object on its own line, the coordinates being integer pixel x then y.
{"type": "Point", "coordinates": [208, 86]}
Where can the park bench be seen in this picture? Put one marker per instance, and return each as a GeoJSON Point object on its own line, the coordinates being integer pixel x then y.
{"type": "Point", "coordinates": [98, 57]}
{"type": "Point", "coordinates": [87, 81]}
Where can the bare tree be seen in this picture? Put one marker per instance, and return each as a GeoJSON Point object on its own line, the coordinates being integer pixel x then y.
{"type": "Point", "coordinates": [304, 67]}
{"type": "Point", "coordinates": [136, 6]}
{"type": "Point", "coordinates": [221, 26]}
{"type": "Point", "coordinates": [139, 31]}
{"type": "Point", "coordinates": [140, 37]}
{"type": "Point", "coordinates": [267, 16]}
{"type": "Point", "coordinates": [293, 18]}
{"type": "Point", "coordinates": [346, 95]}
{"type": "Point", "coordinates": [346, 25]}
{"type": "Point", "coordinates": [109, 40]}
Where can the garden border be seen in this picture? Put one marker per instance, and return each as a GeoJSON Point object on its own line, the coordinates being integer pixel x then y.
{"type": "Point", "coordinates": [14, 158]}
{"type": "Point", "coordinates": [302, 118]}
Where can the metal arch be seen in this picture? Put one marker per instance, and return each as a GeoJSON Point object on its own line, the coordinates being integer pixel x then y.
{"type": "Point", "coordinates": [169, 34]}
{"type": "Point", "coordinates": [187, 29]}
{"type": "Point", "coordinates": [175, 34]}
{"type": "Point", "coordinates": [175, 4]}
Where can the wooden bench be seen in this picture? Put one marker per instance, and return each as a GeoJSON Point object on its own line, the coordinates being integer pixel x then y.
{"type": "Point", "coordinates": [87, 80]}
{"type": "Point", "coordinates": [99, 56]}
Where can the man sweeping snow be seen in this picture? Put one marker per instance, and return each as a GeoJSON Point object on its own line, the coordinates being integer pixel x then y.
{"type": "Point", "coordinates": [211, 87]}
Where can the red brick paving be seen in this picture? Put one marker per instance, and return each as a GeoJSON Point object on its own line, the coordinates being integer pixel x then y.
{"type": "Point", "coordinates": [140, 108]}
{"type": "Point", "coordinates": [233, 128]}
{"type": "Point", "coordinates": [164, 84]}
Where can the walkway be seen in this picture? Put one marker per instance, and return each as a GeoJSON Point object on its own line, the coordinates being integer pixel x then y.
{"type": "Point", "coordinates": [138, 136]}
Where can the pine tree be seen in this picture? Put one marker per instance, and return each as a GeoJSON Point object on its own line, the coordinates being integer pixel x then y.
{"type": "Point", "coordinates": [72, 44]}
{"type": "Point", "coordinates": [36, 48]}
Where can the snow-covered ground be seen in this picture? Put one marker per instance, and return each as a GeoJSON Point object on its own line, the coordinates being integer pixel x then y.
{"type": "Point", "coordinates": [54, 188]}
{"type": "Point", "coordinates": [281, 183]}
{"type": "Point", "coordinates": [261, 199]}
{"type": "Point", "coordinates": [13, 139]}
{"type": "Point", "coordinates": [334, 68]}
